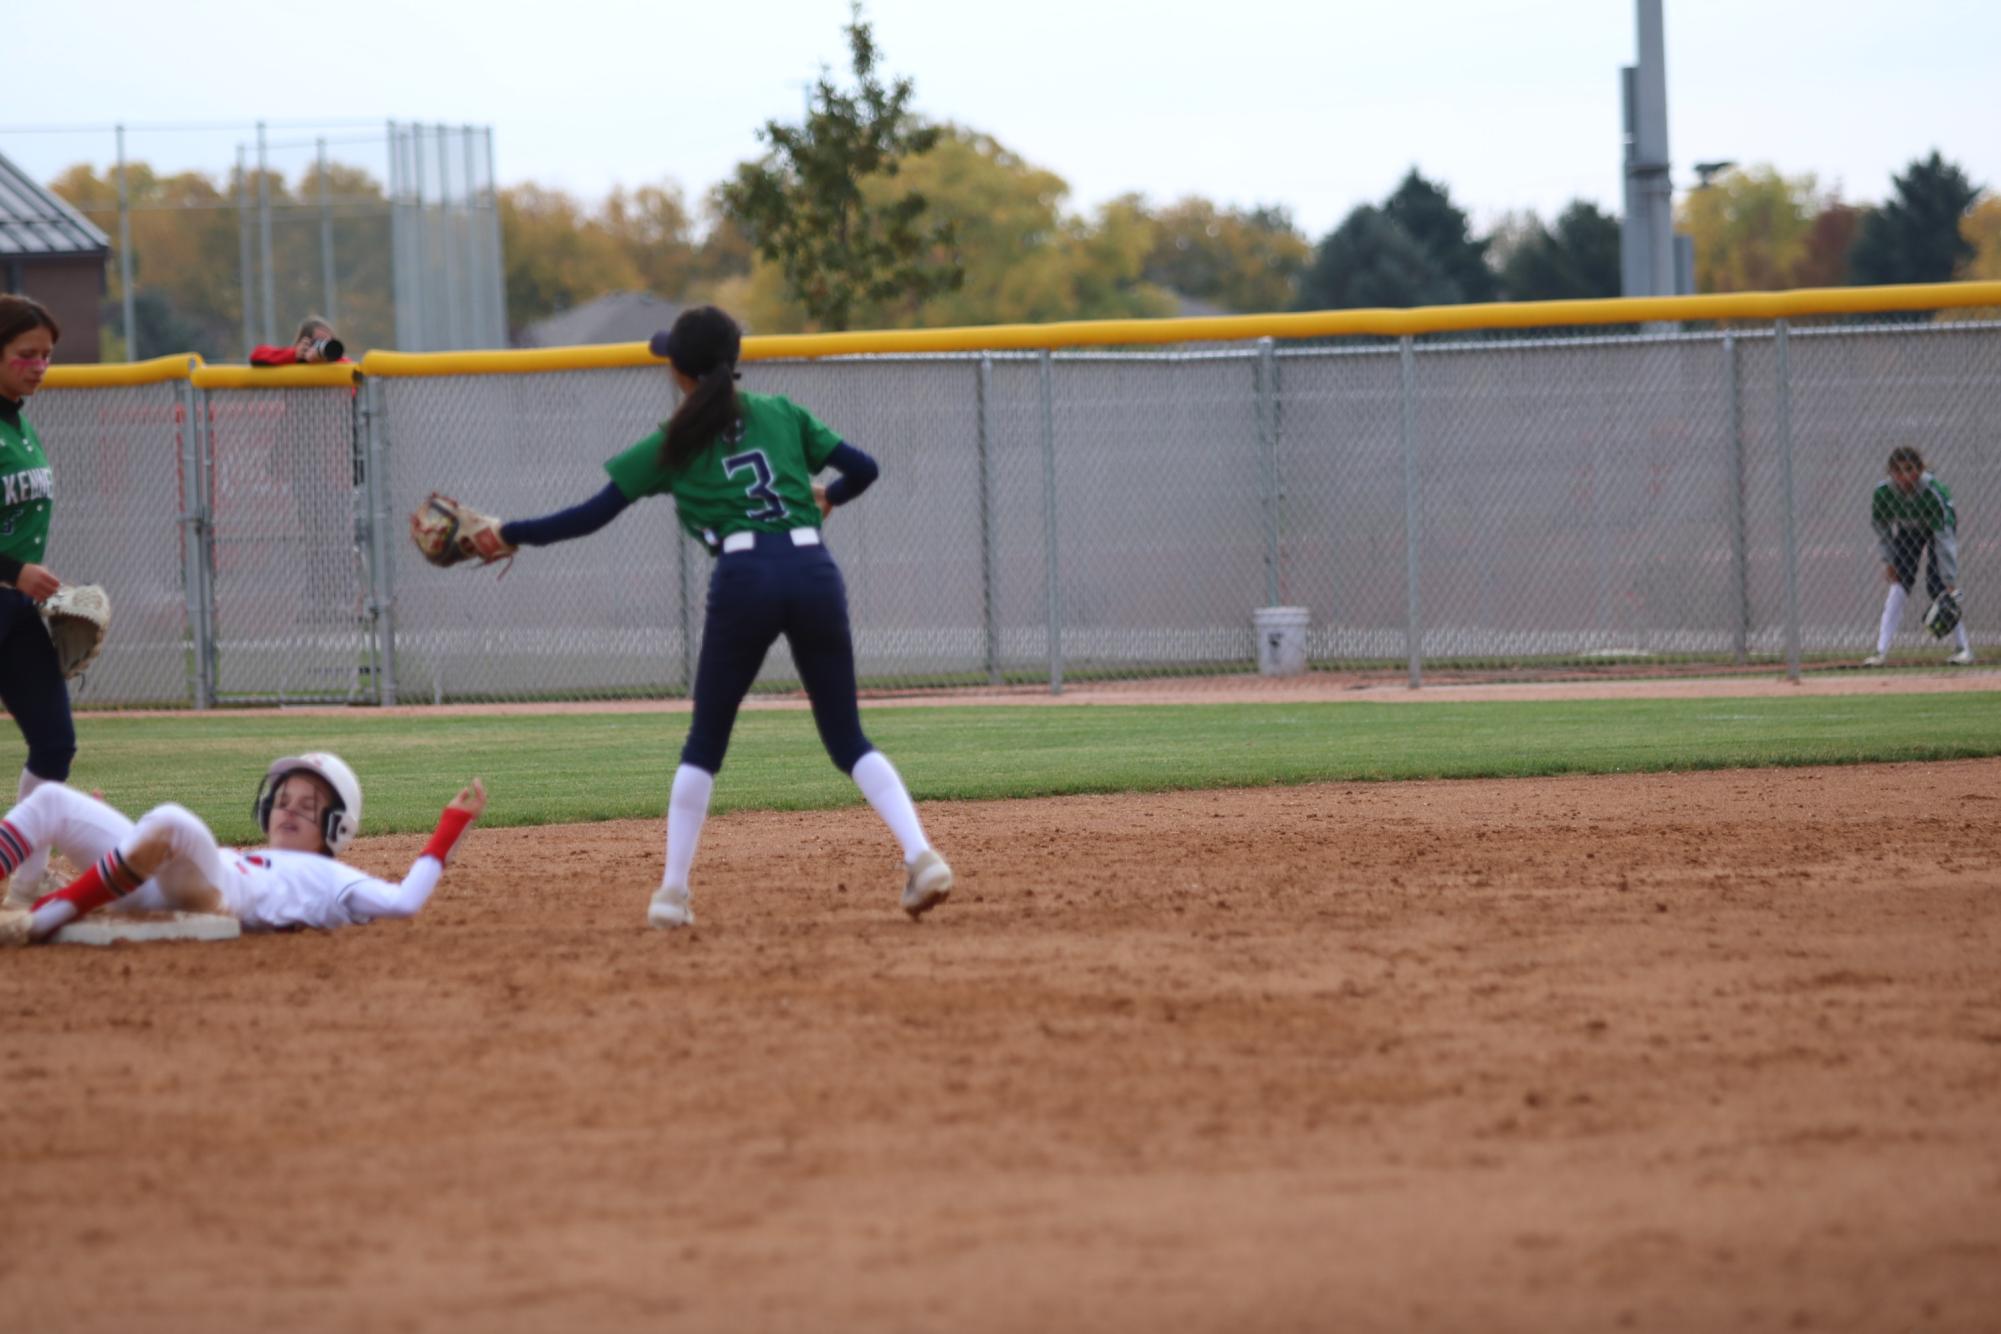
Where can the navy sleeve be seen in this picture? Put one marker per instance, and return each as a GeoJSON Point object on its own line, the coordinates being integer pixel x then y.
{"type": "Point", "coordinates": [857, 472]}
{"type": "Point", "coordinates": [577, 521]}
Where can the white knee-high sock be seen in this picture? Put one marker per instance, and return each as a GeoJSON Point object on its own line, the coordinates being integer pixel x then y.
{"type": "Point", "coordinates": [1959, 638]}
{"type": "Point", "coordinates": [1893, 611]}
{"type": "Point", "coordinates": [883, 786]}
{"type": "Point", "coordinates": [687, 809]}
{"type": "Point", "coordinates": [29, 873]}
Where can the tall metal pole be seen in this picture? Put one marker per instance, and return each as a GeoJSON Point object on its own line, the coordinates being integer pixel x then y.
{"type": "Point", "coordinates": [1414, 623]}
{"type": "Point", "coordinates": [400, 261]}
{"type": "Point", "coordinates": [1646, 235]}
{"type": "Point", "coordinates": [497, 274]}
{"type": "Point", "coordinates": [264, 238]}
{"type": "Point", "coordinates": [1786, 488]}
{"type": "Point", "coordinates": [420, 239]}
{"type": "Point", "coordinates": [243, 247]}
{"type": "Point", "coordinates": [328, 307]}
{"type": "Point", "coordinates": [455, 256]}
{"type": "Point", "coordinates": [472, 294]}
{"type": "Point", "coordinates": [125, 254]}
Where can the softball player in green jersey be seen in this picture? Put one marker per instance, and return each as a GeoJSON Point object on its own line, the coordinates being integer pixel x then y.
{"type": "Point", "coordinates": [740, 467]}
{"type": "Point", "coordinates": [31, 679]}
{"type": "Point", "coordinates": [1912, 513]}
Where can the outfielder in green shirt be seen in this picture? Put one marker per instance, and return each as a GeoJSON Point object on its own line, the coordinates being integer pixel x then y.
{"type": "Point", "coordinates": [740, 467]}
{"type": "Point", "coordinates": [1912, 513]}
{"type": "Point", "coordinates": [31, 678]}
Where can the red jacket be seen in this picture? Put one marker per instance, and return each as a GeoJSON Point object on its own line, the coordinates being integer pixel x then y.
{"type": "Point", "coordinates": [264, 354]}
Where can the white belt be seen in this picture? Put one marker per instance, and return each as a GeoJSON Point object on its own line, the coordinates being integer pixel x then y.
{"type": "Point", "coordinates": [801, 537]}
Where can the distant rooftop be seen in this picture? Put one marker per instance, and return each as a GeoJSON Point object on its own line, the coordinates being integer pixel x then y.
{"type": "Point", "coordinates": [34, 221]}
{"type": "Point", "coordinates": [622, 317]}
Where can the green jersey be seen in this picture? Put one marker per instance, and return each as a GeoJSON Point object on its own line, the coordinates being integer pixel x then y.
{"type": "Point", "coordinates": [27, 490]}
{"type": "Point", "coordinates": [756, 478]}
{"type": "Point", "coordinates": [1928, 509]}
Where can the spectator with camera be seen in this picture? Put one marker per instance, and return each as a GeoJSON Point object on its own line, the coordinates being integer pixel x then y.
{"type": "Point", "coordinates": [315, 344]}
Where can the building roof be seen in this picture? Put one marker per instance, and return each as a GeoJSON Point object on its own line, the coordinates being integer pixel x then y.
{"type": "Point", "coordinates": [622, 317]}
{"type": "Point", "coordinates": [34, 221]}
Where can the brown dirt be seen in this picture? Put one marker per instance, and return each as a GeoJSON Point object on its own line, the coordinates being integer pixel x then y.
{"type": "Point", "coordinates": [1658, 1052]}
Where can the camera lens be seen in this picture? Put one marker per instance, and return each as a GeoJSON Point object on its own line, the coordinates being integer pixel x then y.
{"type": "Point", "coordinates": [332, 349]}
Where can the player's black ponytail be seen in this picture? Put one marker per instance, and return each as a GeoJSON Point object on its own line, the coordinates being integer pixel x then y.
{"type": "Point", "coordinates": [703, 345]}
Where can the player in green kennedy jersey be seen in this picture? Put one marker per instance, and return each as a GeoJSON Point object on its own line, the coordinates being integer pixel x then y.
{"type": "Point", "coordinates": [1912, 513]}
{"type": "Point", "coordinates": [31, 679]}
{"type": "Point", "coordinates": [740, 467]}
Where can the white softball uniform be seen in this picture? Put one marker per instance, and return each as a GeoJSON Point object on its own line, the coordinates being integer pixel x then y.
{"type": "Point", "coordinates": [265, 889]}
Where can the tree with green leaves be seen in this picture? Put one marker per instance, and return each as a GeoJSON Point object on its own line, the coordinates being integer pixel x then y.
{"type": "Point", "coordinates": [1027, 260]}
{"type": "Point", "coordinates": [1425, 211]}
{"type": "Point", "coordinates": [1753, 229]}
{"type": "Point", "coordinates": [1369, 260]}
{"type": "Point", "coordinates": [1245, 262]}
{"type": "Point", "coordinates": [809, 207]}
{"type": "Point", "coordinates": [1574, 260]}
{"type": "Point", "coordinates": [1915, 236]}
{"type": "Point", "coordinates": [557, 255]}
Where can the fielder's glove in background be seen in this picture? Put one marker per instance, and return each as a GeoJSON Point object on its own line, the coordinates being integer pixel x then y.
{"type": "Point", "coordinates": [78, 616]}
{"type": "Point", "coordinates": [1942, 616]}
{"type": "Point", "coordinates": [448, 532]}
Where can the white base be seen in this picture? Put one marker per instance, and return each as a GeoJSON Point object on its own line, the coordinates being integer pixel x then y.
{"type": "Point", "coordinates": [110, 928]}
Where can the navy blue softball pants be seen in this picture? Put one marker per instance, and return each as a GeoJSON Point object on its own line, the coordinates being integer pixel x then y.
{"type": "Point", "coordinates": [31, 686]}
{"type": "Point", "coordinates": [755, 596]}
{"type": "Point", "coordinates": [1908, 545]}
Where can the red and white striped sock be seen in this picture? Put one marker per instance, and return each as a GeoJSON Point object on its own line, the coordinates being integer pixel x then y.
{"type": "Point", "coordinates": [110, 879]}
{"type": "Point", "coordinates": [14, 848]}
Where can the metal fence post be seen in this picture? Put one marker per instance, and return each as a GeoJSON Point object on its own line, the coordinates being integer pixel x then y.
{"type": "Point", "coordinates": [196, 543]}
{"type": "Point", "coordinates": [983, 390]}
{"type": "Point", "coordinates": [1792, 556]}
{"type": "Point", "coordinates": [381, 576]}
{"type": "Point", "coordinates": [1740, 559]}
{"type": "Point", "coordinates": [1267, 367]}
{"type": "Point", "coordinates": [1055, 589]}
{"type": "Point", "coordinates": [1414, 624]}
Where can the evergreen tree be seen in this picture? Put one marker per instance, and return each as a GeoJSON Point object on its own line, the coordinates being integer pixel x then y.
{"type": "Point", "coordinates": [1915, 236]}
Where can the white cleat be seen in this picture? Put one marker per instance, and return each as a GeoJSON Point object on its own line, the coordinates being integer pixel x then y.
{"type": "Point", "coordinates": [23, 896]}
{"type": "Point", "coordinates": [1875, 660]}
{"type": "Point", "coordinates": [929, 885]}
{"type": "Point", "coordinates": [670, 908]}
{"type": "Point", "coordinates": [14, 924]}
{"type": "Point", "coordinates": [1963, 658]}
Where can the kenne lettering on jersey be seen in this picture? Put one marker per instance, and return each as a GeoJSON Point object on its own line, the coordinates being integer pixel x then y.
{"type": "Point", "coordinates": [28, 484]}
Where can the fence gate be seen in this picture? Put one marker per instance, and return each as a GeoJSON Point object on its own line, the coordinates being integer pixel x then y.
{"type": "Point", "coordinates": [287, 568]}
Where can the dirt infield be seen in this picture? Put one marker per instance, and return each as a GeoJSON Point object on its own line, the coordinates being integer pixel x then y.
{"type": "Point", "coordinates": [1664, 1052]}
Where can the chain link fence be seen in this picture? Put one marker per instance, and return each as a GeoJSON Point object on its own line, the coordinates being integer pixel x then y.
{"type": "Point", "coordinates": [1510, 505]}
{"type": "Point", "coordinates": [125, 478]}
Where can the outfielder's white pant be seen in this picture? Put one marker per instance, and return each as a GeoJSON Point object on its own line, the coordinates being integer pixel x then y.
{"type": "Point", "coordinates": [86, 829]}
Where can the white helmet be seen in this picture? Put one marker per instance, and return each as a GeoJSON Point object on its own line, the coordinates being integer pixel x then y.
{"type": "Point", "coordinates": [341, 820]}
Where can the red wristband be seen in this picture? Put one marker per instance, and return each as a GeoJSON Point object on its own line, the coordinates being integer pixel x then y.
{"type": "Point", "coordinates": [450, 825]}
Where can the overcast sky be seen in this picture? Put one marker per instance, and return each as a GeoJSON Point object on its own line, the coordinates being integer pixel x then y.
{"type": "Point", "coordinates": [1314, 105]}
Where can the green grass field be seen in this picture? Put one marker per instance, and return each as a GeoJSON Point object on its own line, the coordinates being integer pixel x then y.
{"type": "Point", "coordinates": [586, 767]}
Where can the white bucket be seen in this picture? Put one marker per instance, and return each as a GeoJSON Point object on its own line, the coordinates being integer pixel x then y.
{"type": "Point", "coordinates": [1281, 634]}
